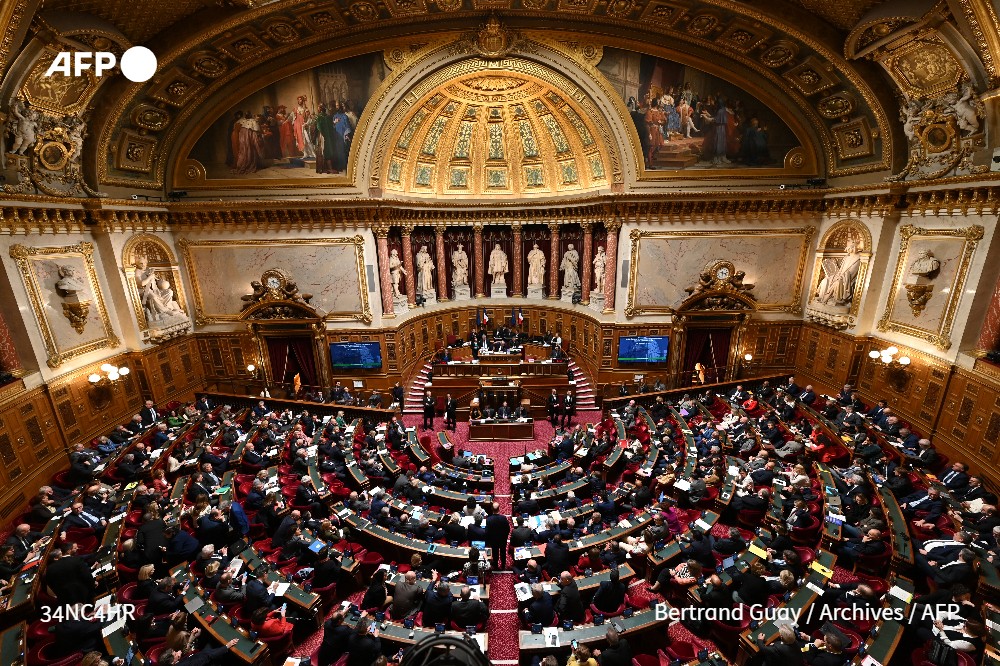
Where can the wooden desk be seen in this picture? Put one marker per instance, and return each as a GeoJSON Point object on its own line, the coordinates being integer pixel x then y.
{"type": "Point", "coordinates": [595, 634]}
{"type": "Point", "coordinates": [501, 431]}
{"type": "Point", "coordinates": [12, 644]}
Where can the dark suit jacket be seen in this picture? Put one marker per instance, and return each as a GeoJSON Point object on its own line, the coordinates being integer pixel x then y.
{"type": "Point", "coordinates": [608, 597]}
{"type": "Point", "coordinates": [780, 654]}
{"type": "Point", "coordinates": [569, 606]}
{"type": "Point", "coordinates": [147, 416]}
{"type": "Point", "coordinates": [541, 610]}
{"type": "Point", "coordinates": [497, 529]}
{"type": "Point", "coordinates": [437, 608]}
{"type": "Point", "coordinates": [620, 655]}
{"type": "Point", "coordinates": [557, 558]}
{"type": "Point", "coordinates": [71, 580]}
{"type": "Point", "coordinates": [468, 612]}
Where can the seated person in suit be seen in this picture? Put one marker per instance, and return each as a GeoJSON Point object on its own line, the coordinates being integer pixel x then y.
{"type": "Point", "coordinates": [853, 548]}
{"type": "Point", "coordinates": [540, 608]}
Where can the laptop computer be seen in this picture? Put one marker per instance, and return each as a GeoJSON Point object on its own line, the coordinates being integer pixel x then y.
{"type": "Point", "coordinates": [729, 566]}
{"type": "Point", "coordinates": [317, 546]}
{"type": "Point", "coordinates": [481, 545]}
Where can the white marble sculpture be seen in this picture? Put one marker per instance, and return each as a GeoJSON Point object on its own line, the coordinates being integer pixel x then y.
{"type": "Point", "coordinates": [25, 122]}
{"type": "Point", "coordinates": [459, 267]}
{"type": "Point", "coordinates": [837, 285]}
{"type": "Point", "coordinates": [157, 297]}
{"type": "Point", "coordinates": [536, 267]}
{"type": "Point", "coordinates": [570, 266]}
{"type": "Point", "coordinates": [600, 266]}
{"type": "Point", "coordinates": [498, 266]}
{"type": "Point", "coordinates": [396, 271]}
{"type": "Point", "coordinates": [425, 271]}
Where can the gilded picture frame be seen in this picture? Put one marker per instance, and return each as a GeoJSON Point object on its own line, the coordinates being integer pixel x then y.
{"type": "Point", "coordinates": [634, 308]}
{"type": "Point", "coordinates": [910, 237]}
{"type": "Point", "coordinates": [203, 315]}
{"type": "Point", "coordinates": [86, 311]}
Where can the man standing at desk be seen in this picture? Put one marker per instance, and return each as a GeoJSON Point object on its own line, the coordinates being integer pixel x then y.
{"type": "Point", "coordinates": [428, 411]}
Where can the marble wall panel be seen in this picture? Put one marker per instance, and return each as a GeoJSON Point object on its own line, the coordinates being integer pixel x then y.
{"type": "Point", "coordinates": [668, 262]}
{"type": "Point", "coordinates": [331, 269]}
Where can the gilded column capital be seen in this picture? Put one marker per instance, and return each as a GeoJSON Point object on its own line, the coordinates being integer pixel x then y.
{"type": "Point", "coordinates": [439, 231]}
{"type": "Point", "coordinates": [407, 229]}
{"type": "Point", "coordinates": [587, 226]}
{"type": "Point", "coordinates": [613, 226]}
{"type": "Point", "coordinates": [478, 227]}
{"type": "Point", "coordinates": [554, 226]}
{"type": "Point", "coordinates": [381, 230]}
{"type": "Point", "coordinates": [516, 227]}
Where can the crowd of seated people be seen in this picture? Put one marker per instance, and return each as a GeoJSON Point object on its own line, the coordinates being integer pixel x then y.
{"type": "Point", "coordinates": [766, 444]}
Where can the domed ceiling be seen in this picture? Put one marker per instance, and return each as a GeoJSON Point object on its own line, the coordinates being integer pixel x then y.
{"type": "Point", "coordinates": [495, 133]}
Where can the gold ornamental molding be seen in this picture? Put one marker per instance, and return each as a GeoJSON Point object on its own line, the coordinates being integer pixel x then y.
{"type": "Point", "coordinates": [75, 310]}
{"type": "Point", "coordinates": [918, 296]}
{"type": "Point", "coordinates": [634, 309]}
{"type": "Point", "coordinates": [213, 58]}
{"type": "Point", "coordinates": [203, 317]}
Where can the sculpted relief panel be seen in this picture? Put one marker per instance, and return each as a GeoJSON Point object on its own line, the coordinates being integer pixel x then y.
{"type": "Point", "coordinates": [66, 299]}
{"type": "Point", "coordinates": [154, 286]}
{"type": "Point", "coordinates": [839, 275]}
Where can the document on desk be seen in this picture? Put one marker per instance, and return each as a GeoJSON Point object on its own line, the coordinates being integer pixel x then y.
{"type": "Point", "coordinates": [280, 589]}
{"type": "Point", "coordinates": [551, 635]}
{"type": "Point", "coordinates": [682, 484]}
{"type": "Point", "coordinates": [523, 591]}
{"type": "Point", "coordinates": [901, 594]}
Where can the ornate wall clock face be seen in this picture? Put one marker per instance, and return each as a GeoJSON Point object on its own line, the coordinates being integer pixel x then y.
{"type": "Point", "coordinates": [722, 272]}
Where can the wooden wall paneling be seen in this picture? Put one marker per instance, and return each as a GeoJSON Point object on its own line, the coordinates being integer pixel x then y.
{"type": "Point", "coordinates": [968, 426]}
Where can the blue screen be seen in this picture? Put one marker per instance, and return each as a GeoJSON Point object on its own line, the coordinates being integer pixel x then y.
{"type": "Point", "coordinates": [355, 355]}
{"type": "Point", "coordinates": [643, 349]}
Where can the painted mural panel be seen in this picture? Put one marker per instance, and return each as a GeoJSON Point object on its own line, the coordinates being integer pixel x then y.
{"type": "Point", "coordinates": [299, 127]}
{"type": "Point", "coordinates": [688, 119]}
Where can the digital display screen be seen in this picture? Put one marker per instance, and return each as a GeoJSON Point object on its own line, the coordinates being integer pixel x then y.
{"type": "Point", "coordinates": [643, 349]}
{"type": "Point", "coordinates": [355, 355]}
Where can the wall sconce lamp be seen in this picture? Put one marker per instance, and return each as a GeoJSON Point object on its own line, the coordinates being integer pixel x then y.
{"type": "Point", "coordinates": [111, 374]}
{"type": "Point", "coordinates": [888, 358]}
{"type": "Point", "coordinates": [252, 370]}
{"type": "Point", "coordinates": [747, 359]}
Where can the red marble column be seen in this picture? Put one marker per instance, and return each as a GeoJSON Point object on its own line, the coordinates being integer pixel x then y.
{"type": "Point", "coordinates": [411, 290]}
{"type": "Point", "coordinates": [611, 271]}
{"type": "Point", "coordinates": [989, 336]}
{"type": "Point", "coordinates": [382, 243]}
{"type": "Point", "coordinates": [442, 290]}
{"type": "Point", "coordinates": [518, 289]}
{"type": "Point", "coordinates": [477, 253]}
{"type": "Point", "coordinates": [8, 353]}
{"type": "Point", "coordinates": [588, 261]}
{"type": "Point", "coordinates": [554, 261]}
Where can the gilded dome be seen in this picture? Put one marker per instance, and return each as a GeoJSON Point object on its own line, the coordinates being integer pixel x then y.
{"type": "Point", "coordinates": [496, 132]}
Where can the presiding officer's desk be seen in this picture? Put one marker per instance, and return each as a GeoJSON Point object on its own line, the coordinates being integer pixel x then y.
{"type": "Point", "coordinates": [487, 430]}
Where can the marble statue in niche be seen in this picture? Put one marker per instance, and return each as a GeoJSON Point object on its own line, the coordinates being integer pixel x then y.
{"type": "Point", "coordinates": [425, 271]}
{"type": "Point", "coordinates": [396, 271]}
{"type": "Point", "coordinates": [918, 293]}
{"type": "Point", "coordinates": [75, 309]}
{"type": "Point", "coordinates": [600, 266]}
{"type": "Point", "coordinates": [155, 294]}
{"type": "Point", "coordinates": [536, 272]}
{"type": "Point", "coordinates": [460, 274]}
{"type": "Point", "coordinates": [459, 267]}
{"type": "Point", "coordinates": [498, 266]}
{"type": "Point", "coordinates": [570, 266]}
{"type": "Point", "coordinates": [536, 266]}
{"type": "Point", "coordinates": [839, 277]}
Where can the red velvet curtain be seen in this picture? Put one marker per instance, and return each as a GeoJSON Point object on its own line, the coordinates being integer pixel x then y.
{"type": "Point", "coordinates": [719, 340]}
{"type": "Point", "coordinates": [302, 351]}
{"type": "Point", "coordinates": [697, 341]}
{"type": "Point", "coordinates": [710, 347]}
{"type": "Point", "coordinates": [280, 354]}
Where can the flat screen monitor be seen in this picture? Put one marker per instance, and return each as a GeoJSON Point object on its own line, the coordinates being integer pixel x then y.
{"type": "Point", "coordinates": [643, 349]}
{"type": "Point", "coordinates": [355, 355]}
